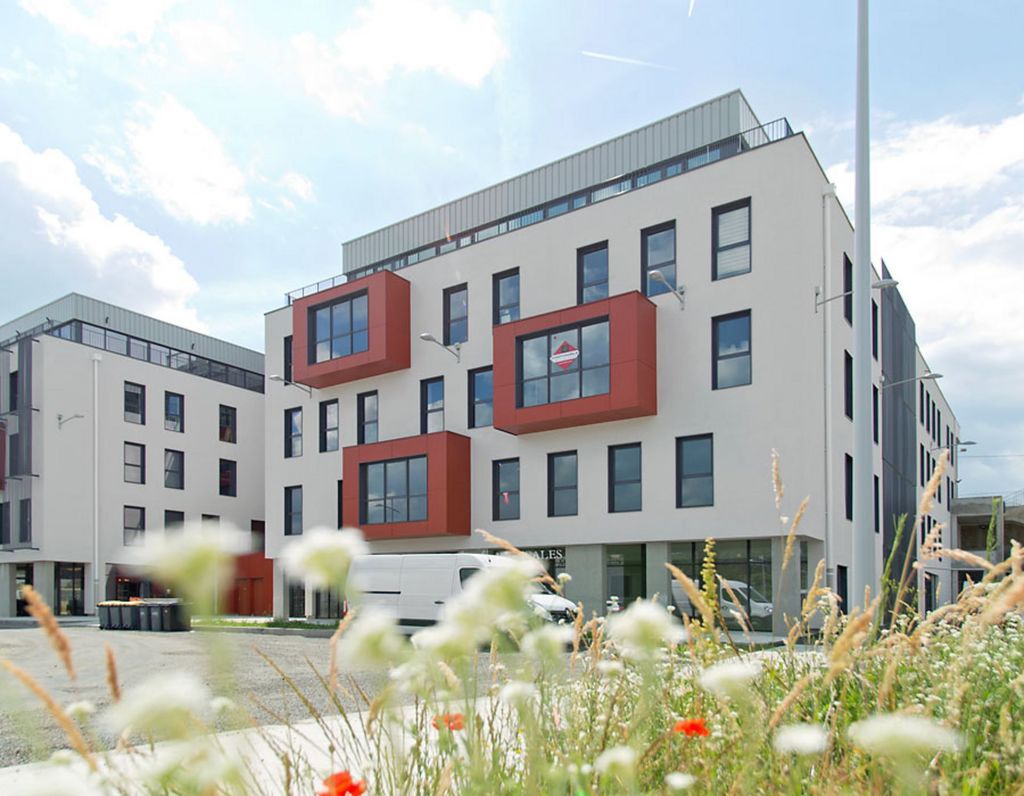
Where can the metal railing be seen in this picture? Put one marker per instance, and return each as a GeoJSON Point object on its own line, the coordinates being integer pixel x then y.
{"type": "Point", "coordinates": [770, 132]}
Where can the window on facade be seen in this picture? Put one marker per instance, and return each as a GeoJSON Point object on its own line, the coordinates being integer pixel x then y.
{"type": "Point", "coordinates": [14, 454]}
{"type": "Point", "coordinates": [174, 411]}
{"type": "Point", "coordinates": [12, 391]}
{"type": "Point", "coordinates": [134, 524]}
{"type": "Point", "coordinates": [339, 329]}
{"type": "Point", "coordinates": [592, 273]}
{"type": "Point", "coordinates": [481, 397]}
{"type": "Point", "coordinates": [228, 420]}
{"type": "Point", "coordinates": [874, 412]}
{"type": "Point", "coordinates": [134, 463]}
{"type": "Point", "coordinates": [658, 253]}
{"type": "Point", "coordinates": [70, 589]}
{"type": "Point", "coordinates": [847, 289]}
{"type": "Point", "coordinates": [920, 390]}
{"type": "Point", "coordinates": [505, 489]}
{"type": "Point", "coordinates": [328, 426]}
{"type": "Point", "coordinates": [432, 405]}
{"type": "Point", "coordinates": [624, 485]}
{"type": "Point", "coordinates": [747, 567]}
{"type": "Point", "coordinates": [506, 297]}
{"type": "Point", "coordinates": [456, 315]}
{"type": "Point", "coordinates": [563, 484]}
{"type": "Point", "coordinates": [228, 478]}
{"type": "Point", "coordinates": [695, 479]}
{"type": "Point", "coordinates": [174, 469]}
{"type": "Point", "coordinates": [848, 384]}
{"type": "Point", "coordinates": [25, 520]}
{"type": "Point", "coordinates": [876, 514]}
{"type": "Point", "coordinates": [293, 432]}
{"type": "Point", "coordinates": [730, 345]}
{"type": "Point", "coordinates": [5, 523]}
{"type": "Point", "coordinates": [563, 365]}
{"type": "Point", "coordinates": [173, 520]}
{"type": "Point", "coordinates": [393, 491]}
{"type": "Point", "coordinates": [288, 358]}
{"type": "Point", "coordinates": [730, 239]}
{"type": "Point", "coordinates": [134, 403]}
{"type": "Point", "coordinates": [848, 481]}
{"type": "Point", "coordinates": [340, 503]}
{"type": "Point", "coordinates": [874, 329]}
{"type": "Point", "coordinates": [366, 418]}
{"type": "Point", "coordinates": [292, 510]}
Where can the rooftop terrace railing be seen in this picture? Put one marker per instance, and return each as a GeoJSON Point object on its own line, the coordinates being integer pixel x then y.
{"type": "Point", "coordinates": [688, 161]}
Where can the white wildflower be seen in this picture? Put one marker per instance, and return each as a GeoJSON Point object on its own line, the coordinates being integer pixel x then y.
{"type": "Point", "coordinates": [372, 641]}
{"type": "Point", "coordinates": [447, 640]}
{"type": "Point", "coordinates": [323, 556]}
{"type": "Point", "coordinates": [518, 693]}
{"type": "Point", "coordinates": [644, 628]}
{"type": "Point", "coordinates": [730, 679]}
{"type": "Point", "coordinates": [195, 561]}
{"type": "Point", "coordinates": [901, 736]}
{"type": "Point", "coordinates": [619, 761]}
{"type": "Point", "coordinates": [547, 643]}
{"type": "Point", "coordinates": [222, 704]}
{"type": "Point", "coordinates": [800, 739]}
{"type": "Point", "coordinates": [63, 757]}
{"type": "Point", "coordinates": [80, 710]}
{"type": "Point", "coordinates": [168, 705]}
{"type": "Point", "coordinates": [564, 577]}
{"type": "Point", "coordinates": [610, 668]}
{"type": "Point", "coordinates": [677, 781]}
{"type": "Point", "coordinates": [413, 676]}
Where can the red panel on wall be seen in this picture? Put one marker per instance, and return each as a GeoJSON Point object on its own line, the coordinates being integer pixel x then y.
{"type": "Point", "coordinates": [448, 479]}
{"type": "Point", "coordinates": [633, 356]}
{"type": "Point", "coordinates": [252, 593]}
{"type": "Point", "coordinates": [389, 346]}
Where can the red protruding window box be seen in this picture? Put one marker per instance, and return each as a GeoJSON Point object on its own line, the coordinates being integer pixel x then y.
{"type": "Point", "coordinates": [448, 479]}
{"type": "Point", "coordinates": [632, 375]}
{"type": "Point", "coordinates": [386, 331]}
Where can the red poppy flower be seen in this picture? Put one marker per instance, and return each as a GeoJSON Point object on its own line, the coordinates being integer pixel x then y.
{"type": "Point", "coordinates": [691, 728]}
{"type": "Point", "coordinates": [343, 784]}
{"type": "Point", "coordinates": [451, 721]}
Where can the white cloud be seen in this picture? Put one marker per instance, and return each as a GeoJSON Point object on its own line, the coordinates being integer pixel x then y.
{"type": "Point", "coordinates": [298, 184]}
{"type": "Point", "coordinates": [107, 23]}
{"type": "Point", "coordinates": [135, 266]}
{"type": "Point", "coordinates": [396, 36]}
{"type": "Point", "coordinates": [173, 157]}
{"type": "Point", "coordinates": [207, 43]}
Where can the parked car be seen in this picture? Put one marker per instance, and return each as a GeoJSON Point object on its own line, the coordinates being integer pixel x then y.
{"type": "Point", "coordinates": [416, 587]}
{"type": "Point", "coordinates": [752, 602]}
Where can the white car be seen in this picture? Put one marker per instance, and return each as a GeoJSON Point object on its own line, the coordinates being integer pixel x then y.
{"type": "Point", "coordinates": [760, 606]}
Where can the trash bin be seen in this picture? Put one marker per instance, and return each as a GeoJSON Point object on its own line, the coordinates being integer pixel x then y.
{"type": "Point", "coordinates": [130, 616]}
{"type": "Point", "coordinates": [104, 612]}
{"type": "Point", "coordinates": [175, 617]}
{"type": "Point", "coordinates": [155, 617]}
{"type": "Point", "coordinates": [144, 617]}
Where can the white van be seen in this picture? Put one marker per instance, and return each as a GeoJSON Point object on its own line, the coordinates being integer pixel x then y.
{"type": "Point", "coordinates": [415, 587]}
{"type": "Point", "coordinates": [760, 606]}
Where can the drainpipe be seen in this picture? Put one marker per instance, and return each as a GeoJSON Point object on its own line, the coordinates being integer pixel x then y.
{"type": "Point", "coordinates": [826, 236]}
{"type": "Point", "coordinates": [96, 480]}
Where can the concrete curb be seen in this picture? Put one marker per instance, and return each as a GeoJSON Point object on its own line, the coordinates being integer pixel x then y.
{"type": "Point", "coordinates": [267, 631]}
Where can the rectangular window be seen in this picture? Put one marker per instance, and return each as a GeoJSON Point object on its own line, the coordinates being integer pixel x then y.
{"type": "Point", "coordinates": [228, 419]}
{"type": "Point", "coordinates": [847, 290]}
{"type": "Point", "coordinates": [366, 418]}
{"type": "Point", "coordinates": [456, 315]}
{"type": "Point", "coordinates": [848, 481]}
{"type": "Point", "coordinates": [287, 358]}
{"type": "Point", "coordinates": [506, 297]}
{"type": "Point", "coordinates": [341, 513]}
{"type": "Point", "coordinates": [328, 426]}
{"type": "Point", "coordinates": [563, 365]}
{"type": "Point", "coordinates": [624, 486]}
{"type": "Point", "coordinates": [658, 253]}
{"type": "Point", "coordinates": [592, 273]}
{"type": "Point", "coordinates": [432, 405]}
{"type": "Point", "coordinates": [505, 489]}
{"type": "Point", "coordinates": [730, 348]}
{"type": "Point", "coordinates": [874, 413]}
{"type": "Point", "coordinates": [25, 520]}
{"type": "Point", "coordinates": [134, 524]}
{"type": "Point", "coordinates": [211, 520]}
{"type": "Point", "coordinates": [876, 507]}
{"type": "Point", "coordinates": [5, 523]}
{"type": "Point", "coordinates": [874, 329]}
{"type": "Point", "coordinates": [339, 329]}
{"type": "Point", "coordinates": [12, 392]}
{"type": "Point", "coordinates": [134, 403]}
{"type": "Point", "coordinates": [920, 390]}
{"type": "Point", "coordinates": [228, 478]}
{"type": "Point", "coordinates": [563, 484]}
{"type": "Point", "coordinates": [695, 473]}
{"type": "Point", "coordinates": [174, 469]}
{"type": "Point", "coordinates": [293, 432]}
{"type": "Point", "coordinates": [134, 463]}
{"type": "Point", "coordinates": [14, 454]}
{"type": "Point", "coordinates": [848, 384]}
{"type": "Point", "coordinates": [174, 411]}
{"type": "Point", "coordinates": [730, 239]}
{"type": "Point", "coordinates": [173, 520]}
{"type": "Point", "coordinates": [922, 463]}
{"type": "Point", "coordinates": [292, 510]}
{"type": "Point", "coordinates": [393, 491]}
{"type": "Point", "coordinates": [481, 397]}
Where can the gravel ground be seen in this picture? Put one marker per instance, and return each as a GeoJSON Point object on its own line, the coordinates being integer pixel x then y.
{"type": "Point", "coordinates": [28, 733]}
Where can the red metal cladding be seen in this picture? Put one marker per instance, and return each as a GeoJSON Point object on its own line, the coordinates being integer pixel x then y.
{"type": "Point", "coordinates": [633, 356]}
{"type": "Point", "coordinates": [389, 332]}
{"type": "Point", "coordinates": [448, 479]}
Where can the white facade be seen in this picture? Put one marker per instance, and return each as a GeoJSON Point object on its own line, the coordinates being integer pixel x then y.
{"type": "Point", "coordinates": [78, 417]}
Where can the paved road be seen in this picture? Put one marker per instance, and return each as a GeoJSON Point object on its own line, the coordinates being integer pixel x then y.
{"type": "Point", "coordinates": [27, 733]}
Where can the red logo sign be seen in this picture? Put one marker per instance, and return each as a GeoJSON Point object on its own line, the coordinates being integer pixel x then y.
{"type": "Point", "coordinates": [565, 355]}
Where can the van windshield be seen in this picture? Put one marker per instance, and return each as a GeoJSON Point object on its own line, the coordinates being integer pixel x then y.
{"type": "Point", "coordinates": [465, 573]}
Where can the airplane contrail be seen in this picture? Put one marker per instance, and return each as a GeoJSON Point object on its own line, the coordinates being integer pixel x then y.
{"type": "Point", "coordinates": [622, 60]}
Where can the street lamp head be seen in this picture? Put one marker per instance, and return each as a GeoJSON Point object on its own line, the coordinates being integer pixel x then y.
{"type": "Point", "coordinates": [428, 337]}
{"type": "Point", "coordinates": [658, 276]}
{"type": "Point", "coordinates": [275, 377]}
{"type": "Point", "coordinates": [883, 284]}
{"type": "Point", "coordinates": [931, 376]}
{"type": "Point", "coordinates": [968, 442]}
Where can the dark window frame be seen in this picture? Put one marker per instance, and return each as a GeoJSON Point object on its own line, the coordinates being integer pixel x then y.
{"type": "Point", "coordinates": [348, 301]}
{"type": "Point", "coordinates": [554, 488]}
{"type": "Point", "coordinates": [716, 249]}
{"type": "Point", "coordinates": [448, 293]}
{"type": "Point", "coordinates": [362, 423]}
{"type": "Point", "coordinates": [472, 400]}
{"type": "Point", "coordinates": [231, 426]}
{"type": "Point", "coordinates": [407, 496]}
{"type": "Point", "coordinates": [613, 451]}
{"type": "Point", "coordinates": [138, 530]}
{"type": "Point", "coordinates": [140, 467]}
{"type": "Point", "coordinates": [287, 359]}
{"type": "Point", "coordinates": [425, 411]}
{"type": "Point", "coordinates": [646, 267]}
{"type": "Point", "coordinates": [5, 523]}
{"type": "Point", "coordinates": [142, 403]}
{"type": "Point", "coordinates": [291, 436]}
{"type": "Point", "coordinates": [290, 513]}
{"type": "Point", "coordinates": [581, 285]}
{"type": "Point", "coordinates": [681, 476]}
{"type": "Point", "coordinates": [848, 290]}
{"type": "Point", "coordinates": [548, 333]}
{"type": "Point", "coordinates": [874, 330]}
{"type": "Point", "coordinates": [174, 422]}
{"type": "Point", "coordinates": [173, 520]}
{"type": "Point", "coordinates": [231, 488]}
{"type": "Point", "coordinates": [25, 521]}
{"type": "Point", "coordinates": [325, 428]}
{"type": "Point", "coordinates": [341, 504]}
{"type": "Point", "coordinates": [848, 486]}
{"type": "Point", "coordinates": [496, 493]}
{"type": "Point", "coordinates": [874, 413]}
{"type": "Point", "coordinates": [716, 357]}
{"type": "Point", "coordinates": [848, 385]}
{"type": "Point", "coordinates": [180, 457]}
{"type": "Point", "coordinates": [496, 305]}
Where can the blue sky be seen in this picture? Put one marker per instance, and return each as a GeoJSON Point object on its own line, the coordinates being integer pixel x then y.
{"type": "Point", "coordinates": [195, 160]}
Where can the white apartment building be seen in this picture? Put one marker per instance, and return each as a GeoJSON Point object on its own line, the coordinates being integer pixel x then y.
{"type": "Point", "coordinates": [117, 426]}
{"type": "Point", "coordinates": [616, 342]}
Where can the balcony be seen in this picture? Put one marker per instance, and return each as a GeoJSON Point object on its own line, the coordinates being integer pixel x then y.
{"type": "Point", "coordinates": [394, 509]}
{"type": "Point", "coordinates": [592, 363]}
{"type": "Point", "coordinates": [352, 331]}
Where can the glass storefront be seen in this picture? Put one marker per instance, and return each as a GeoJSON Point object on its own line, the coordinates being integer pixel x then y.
{"type": "Point", "coordinates": [329, 604]}
{"type": "Point", "coordinates": [22, 577]}
{"type": "Point", "coordinates": [70, 586]}
{"type": "Point", "coordinates": [296, 599]}
{"type": "Point", "coordinates": [626, 572]}
{"type": "Point", "coordinates": [746, 566]}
